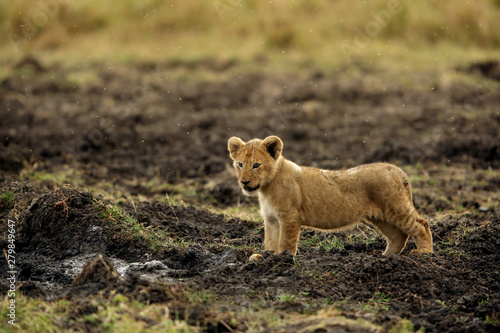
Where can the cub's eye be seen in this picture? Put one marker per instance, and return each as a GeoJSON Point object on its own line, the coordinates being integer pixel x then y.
{"type": "Point", "coordinates": [256, 166]}
{"type": "Point", "coordinates": [240, 165]}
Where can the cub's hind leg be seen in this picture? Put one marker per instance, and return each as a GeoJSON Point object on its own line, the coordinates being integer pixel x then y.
{"type": "Point", "coordinates": [418, 228]}
{"type": "Point", "coordinates": [396, 238]}
{"type": "Point", "coordinates": [411, 223]}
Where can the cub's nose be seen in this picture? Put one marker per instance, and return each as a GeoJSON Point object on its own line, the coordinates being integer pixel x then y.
{"type": "Point", "coordinates": [245, 183]}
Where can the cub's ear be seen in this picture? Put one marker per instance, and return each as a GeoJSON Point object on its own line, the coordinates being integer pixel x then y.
{"type": "Point", "coordinates": [233, 145]}
{"type": "Point", "coordinates": [274, 146]}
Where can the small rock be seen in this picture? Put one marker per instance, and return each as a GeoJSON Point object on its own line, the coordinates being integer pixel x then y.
{"type": "Point", "coordinates": [255, 257]}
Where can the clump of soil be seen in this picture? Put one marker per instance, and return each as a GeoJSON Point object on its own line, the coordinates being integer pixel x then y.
{"type": "Point", "coordinates": [97, 270]}
{"type": "Point", "coordinates": [66, 222]}
{"type": "Point", "coordinates": [489, 69]}
{"type": "Point", "coordinates": [99, 276]}
{"type": "Point", "coordinates": [61, 224]}
{"type": "Point", "coordinates": [190, 223]}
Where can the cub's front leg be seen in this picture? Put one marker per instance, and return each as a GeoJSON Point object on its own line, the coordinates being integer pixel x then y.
{"type": "Point", "coordinates": [271, 234]}
{"type": "Point", "coordinates": [271, 237]}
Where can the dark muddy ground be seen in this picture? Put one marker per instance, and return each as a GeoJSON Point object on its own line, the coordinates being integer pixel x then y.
{"type": "Point", "coordinates": [134, 129]}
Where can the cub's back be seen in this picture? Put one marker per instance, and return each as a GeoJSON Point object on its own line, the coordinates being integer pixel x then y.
{"type": "Point", "coordinates": [376, 181]}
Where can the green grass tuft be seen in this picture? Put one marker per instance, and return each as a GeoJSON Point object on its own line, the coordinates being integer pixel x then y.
{"type": "Point", "coordinates": [405, 326]}
{"type": "Point", "coordinates": [121, 223]}
{"type": "Point", "coordinates": [7, 199]}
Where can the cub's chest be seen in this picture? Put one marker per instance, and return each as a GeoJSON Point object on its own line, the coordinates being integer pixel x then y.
{"type": "Point", "coordinates": [267, 209]}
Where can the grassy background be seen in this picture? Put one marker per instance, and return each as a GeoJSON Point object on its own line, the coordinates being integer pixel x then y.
{"type": "Point", "coordinates": [278, 34]}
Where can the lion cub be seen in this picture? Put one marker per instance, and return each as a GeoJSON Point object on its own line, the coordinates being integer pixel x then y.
{"type": "Point", "coordinates": [292, 196]}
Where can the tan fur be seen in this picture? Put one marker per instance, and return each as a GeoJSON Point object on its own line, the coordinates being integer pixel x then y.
{"type": "Point", "coordinates": [291, 196]}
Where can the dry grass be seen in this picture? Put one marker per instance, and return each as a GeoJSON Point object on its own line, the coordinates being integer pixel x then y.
{"type": "Point", "coordinates": [303, 33]}
{"type": "Point", "coordinates": [120, 314]}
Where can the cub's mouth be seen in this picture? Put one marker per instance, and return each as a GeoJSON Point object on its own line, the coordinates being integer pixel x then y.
{"type": "Point", "coordinates": [251, 189]}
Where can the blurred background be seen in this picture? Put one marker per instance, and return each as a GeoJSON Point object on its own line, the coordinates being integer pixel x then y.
{"type": "Point", "coordinates": [279, 33]}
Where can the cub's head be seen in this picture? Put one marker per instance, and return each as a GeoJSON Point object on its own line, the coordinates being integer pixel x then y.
{"type": "Point", "coordinates": [255, 161]}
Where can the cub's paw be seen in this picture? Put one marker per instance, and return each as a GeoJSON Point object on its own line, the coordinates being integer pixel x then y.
{"type": "Point", "coordinates": [255, 257]}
